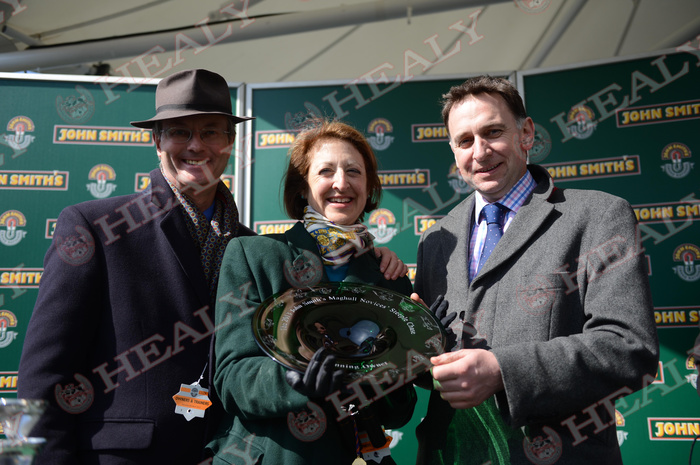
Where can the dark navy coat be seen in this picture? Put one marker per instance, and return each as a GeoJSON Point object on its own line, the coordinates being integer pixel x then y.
{"type": "Point", "coordinates": [123, 318]}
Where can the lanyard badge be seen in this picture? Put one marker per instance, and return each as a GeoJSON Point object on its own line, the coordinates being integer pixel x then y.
{"type": "Point", "coordinates": [191, 401]}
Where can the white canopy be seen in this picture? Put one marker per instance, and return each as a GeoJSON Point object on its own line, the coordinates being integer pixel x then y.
{"type": "Point", "coordinates": [256, 41]}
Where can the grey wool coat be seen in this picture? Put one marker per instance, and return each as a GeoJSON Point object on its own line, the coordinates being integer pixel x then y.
{"type": "Point", "coordinates": [563, 302]}
{"type": "Point", "coordinates": [261, 407]}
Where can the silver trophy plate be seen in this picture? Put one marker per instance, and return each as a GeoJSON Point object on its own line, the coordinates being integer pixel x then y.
{"type": "Point", "coordinates": [372, 331]}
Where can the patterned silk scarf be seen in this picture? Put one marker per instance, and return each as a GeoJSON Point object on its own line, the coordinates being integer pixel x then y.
{"type": "Point", "coordinates": [211, 237]}
{"type": "Point", "coordinates": [336, 243]}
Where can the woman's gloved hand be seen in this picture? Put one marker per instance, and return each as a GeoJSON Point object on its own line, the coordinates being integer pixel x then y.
{"type": "Point", "coordinates": [319, 380]}
{"type": "Point", "coordinates": [439, 309]}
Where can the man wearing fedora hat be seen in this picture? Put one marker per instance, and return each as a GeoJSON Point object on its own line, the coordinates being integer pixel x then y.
{"type": "Point", "coordinates": [124, 313]}
{"type": "Point", "coordinates": [120, 336]}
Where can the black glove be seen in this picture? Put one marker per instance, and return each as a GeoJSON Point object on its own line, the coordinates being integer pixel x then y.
{"type": "Point", "coordinates": [319, 379]}
{"type": "Point", "coordinates": [439, 309]}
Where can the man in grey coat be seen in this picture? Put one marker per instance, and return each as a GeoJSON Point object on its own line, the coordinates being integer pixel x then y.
{"type": "Point", "coordinates": [553, 325]}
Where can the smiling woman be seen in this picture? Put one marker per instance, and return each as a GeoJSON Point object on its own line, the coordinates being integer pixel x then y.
{"type": "Point", "coordinates": [337, 181]}
{"type": "Point", "coordinates": [344, 156]}
{"type": "Point", "coordinates": [331, 181]}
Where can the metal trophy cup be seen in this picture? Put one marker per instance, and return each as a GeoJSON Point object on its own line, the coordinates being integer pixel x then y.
{"type": "Point", "coordinates": [18, 417]}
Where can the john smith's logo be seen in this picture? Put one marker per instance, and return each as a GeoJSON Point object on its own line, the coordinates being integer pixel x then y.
{"type": "Point", "coordinates": [543, 450]}
{"type": "Point", "coordinates": [456, 182]}
{"type": "Point", "coordinates": [584, 125]}
{"type": "Point", "coordinates": [19, 137]}
{"type": "Point", "coordinates": [382, 223]}
{"type": "Point", "coordinates": [303, 120]}
{"type": "Point", "coordinates": [687, 254]}
{"type": "Point", "coordinates": [380, 128]}
{"type": "Point", "coordinates": [101, 174]}
{"type": "Point", "coordinates": [8, 320]}
{"type": "Point", "coordinates": [396, 436]}
{"type": "Point", "coordinates": [679, 156]}
{"type": "Point", "coordinates": [11, 220]}
{"type": "Point", "coordinates": [620, 422]}
{"type": "Point", "coordinates": [542, 145]}
{"type": "Point", "coordinates": [533, 7]}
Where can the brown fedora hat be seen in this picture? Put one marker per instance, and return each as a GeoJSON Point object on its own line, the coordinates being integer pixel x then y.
{"type": "Point", "coordinates": [191, 92]}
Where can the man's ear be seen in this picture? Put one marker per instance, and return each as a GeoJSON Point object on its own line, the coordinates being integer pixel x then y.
{"type": "Point", "coordinates": [156, 139]}
{"type": "Point", "coordinates": [527, 134]}
{"type": "Point", "coordinates": [231, 144]}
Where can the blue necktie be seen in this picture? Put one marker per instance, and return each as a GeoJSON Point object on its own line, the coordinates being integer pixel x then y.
{"type": "Point", "coordinates": [494, 215]}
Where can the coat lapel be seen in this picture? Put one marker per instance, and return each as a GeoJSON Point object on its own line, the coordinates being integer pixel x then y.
{"type": "Point", "coordinates": [173, 226]}
{"type": "Point", "coordinates": [459, 224]}
{"type": "Point", "coordinates": [525, 224]}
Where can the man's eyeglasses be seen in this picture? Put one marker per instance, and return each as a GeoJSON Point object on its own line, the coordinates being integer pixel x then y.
{"type": "Point", "coordinates": [210, 136]}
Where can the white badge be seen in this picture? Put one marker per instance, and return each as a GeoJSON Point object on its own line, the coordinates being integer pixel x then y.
{"type": "Point", "coordinates": [191, 401]}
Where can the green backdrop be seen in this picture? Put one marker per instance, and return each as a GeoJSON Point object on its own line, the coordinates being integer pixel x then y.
{"type": "Point", "coordinates": [632, 128]}
{"type": "Point", "coordinates": [629, 127]}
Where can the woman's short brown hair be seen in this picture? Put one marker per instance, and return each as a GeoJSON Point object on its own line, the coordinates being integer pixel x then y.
{"type": "Point", "coordinates": [295, 183]}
